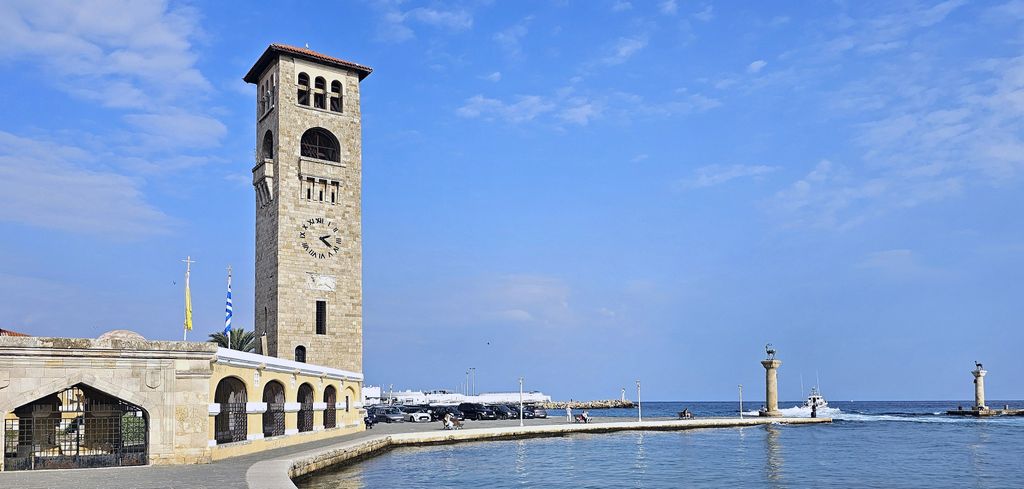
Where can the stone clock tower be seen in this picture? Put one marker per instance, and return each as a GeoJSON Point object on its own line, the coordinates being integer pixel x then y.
{"type": "Point", "coordinates": [308, 206]}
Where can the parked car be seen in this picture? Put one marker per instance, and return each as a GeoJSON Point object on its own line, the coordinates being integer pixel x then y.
{"type": "Point", "coordinates": [477, 411]}
{"type": "Point", "coordinates": [416, 414]}
{"type": "Point", "coordinates": [439, 412]}
{"type": "Point", "coordinates": [504, 412]}
{"type": "Point", "coordinates": [386, 415]}
{"type": "Point", "coordinates": [534, 412]}
{"type": "Point", "coordinates": [527, 414]}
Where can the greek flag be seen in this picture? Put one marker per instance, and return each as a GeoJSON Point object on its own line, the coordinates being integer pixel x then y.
{"type": "Point", "coordinates": [227, 310]}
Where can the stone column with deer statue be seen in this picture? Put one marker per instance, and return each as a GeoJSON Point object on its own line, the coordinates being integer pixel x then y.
{"type": "Point", "coordinates": [979, 387]}
{"type": "Point", "coordinates": [771, 383]}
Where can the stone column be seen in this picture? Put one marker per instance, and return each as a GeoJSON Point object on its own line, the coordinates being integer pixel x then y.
{"type": "Point", "coordinates": [771, 387]}
{"type": "Point", "coordinates": [979, 389]}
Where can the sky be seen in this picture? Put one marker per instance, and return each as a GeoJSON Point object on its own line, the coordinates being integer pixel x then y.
{"type": "Point", "coordinates": [582, 193]}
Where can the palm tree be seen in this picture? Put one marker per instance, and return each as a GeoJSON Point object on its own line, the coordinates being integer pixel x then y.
{"type": "Point", "coordinates": [241, 340]}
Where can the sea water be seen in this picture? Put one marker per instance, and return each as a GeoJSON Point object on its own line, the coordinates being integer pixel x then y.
{"type": "Point", "coordinates": [870, 444]}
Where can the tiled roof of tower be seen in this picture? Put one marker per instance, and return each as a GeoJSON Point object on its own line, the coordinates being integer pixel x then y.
{"type": "Point", "coordinates": [274, 49]}
{"type": "Point", "coordinates": [7, 332]}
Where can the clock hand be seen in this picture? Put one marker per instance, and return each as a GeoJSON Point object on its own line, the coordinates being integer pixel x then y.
{"type": "Point", "coordinates": [323, 239]}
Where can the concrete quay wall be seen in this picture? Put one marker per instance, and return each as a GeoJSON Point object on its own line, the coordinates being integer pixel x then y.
{"type": "Point", "coordinates": [278, 473]}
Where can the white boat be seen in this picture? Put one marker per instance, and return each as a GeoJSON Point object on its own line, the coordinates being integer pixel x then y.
{"type": "Point", "coordinates": [815, 400]}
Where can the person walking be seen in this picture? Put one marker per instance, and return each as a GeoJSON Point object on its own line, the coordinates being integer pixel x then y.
{"type": "Point", "coordinates": [568, 414]}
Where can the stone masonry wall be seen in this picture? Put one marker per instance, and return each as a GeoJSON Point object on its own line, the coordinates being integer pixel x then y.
{"type": "Point", "coordinates": [168, 379]}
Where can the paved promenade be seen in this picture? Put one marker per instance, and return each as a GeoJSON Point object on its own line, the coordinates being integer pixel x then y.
{"type": "Point", "coordinates": [270, 469]}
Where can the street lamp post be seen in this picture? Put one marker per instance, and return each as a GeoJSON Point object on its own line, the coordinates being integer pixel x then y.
{"type": "Point", "coordinates": [466, 390]}
{"type": "Point", "coordinates": [741, 400]}
{"type": "Point", "coordinates": [639, 410]}
{"type": "Point", "coordinates": [472, 390]}
{"type": "Point", "coordinates": [520, 401]}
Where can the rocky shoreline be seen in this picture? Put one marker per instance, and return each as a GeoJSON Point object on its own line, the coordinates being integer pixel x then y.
{"type": "Point", "coordinates": [605, 404]}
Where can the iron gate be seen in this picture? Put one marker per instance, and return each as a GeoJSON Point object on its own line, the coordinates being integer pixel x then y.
{"type": "Point", "coordinates": [231, 424]}
{"type": "Point", "coordinates": [273, 420]}
{"type": "Point", "coordinates": [306, 417]}
{"type": "Point", "coordinates": [331, 416]}
{"type": "Point", "coordinates": [78, 427]}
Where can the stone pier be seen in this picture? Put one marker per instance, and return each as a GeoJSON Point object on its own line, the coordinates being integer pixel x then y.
{"type": "Point", "coordinates": [771, 387]}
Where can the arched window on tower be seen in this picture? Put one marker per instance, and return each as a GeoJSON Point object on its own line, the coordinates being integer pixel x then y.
{"type": "Point", "coordinates": [273, 91]}
{"type": "Point", "coordinates": [335, 96]}
{"type": "Point", "coordinates": [320, 93]}
{"type": "Point", "coordinates": [320, 144]}
{"type": "Point", "coordinates": [261, 96]}
{"type": "Point", "coordinates": [303, 90]}
{"type": "Point", "coordinates": [268, 145]}
{"type": "Point", "coordinates": [300, 354]}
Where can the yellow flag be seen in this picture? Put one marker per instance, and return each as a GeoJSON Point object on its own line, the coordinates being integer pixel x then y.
{"type": "Point", "coordinates": [188, 307]}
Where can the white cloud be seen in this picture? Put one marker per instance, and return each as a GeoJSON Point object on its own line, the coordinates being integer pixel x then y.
{"type": "Point", "coordinates": [623, 49]}
{"type": "Point", "coordinates": [49, 185]}
{"type": "Point", "coordinates": [446, 19]}
{"type": "Point", "coordinates": [525, 108]}
{"type": "Point", "coordinates": [711, 175]}
{"type": "Point", "coordinates": [176, 130]}
{"type": "Point", "coordinates": [621, 6]}
{"type": "Point", "coordinates": [120, 53]}
{"type": "Point", "coordinates": [668, 7]}
{"type": "Point", "coordinates": [510, 39]}
{"type": "Point", "coordinates": [640, 157]}
{"type": "Point", "coordinates": [581, 112]}
{"type": "Point", "coordinates": [492, 77]}
{"type": "Point", "coordinates": [394, 22]}
{"type": "Point", "coordinates": [756, 66]}
{"type": "Point", "coordinates": [706, 14]}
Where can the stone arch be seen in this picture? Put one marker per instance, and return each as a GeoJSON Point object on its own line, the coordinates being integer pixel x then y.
{"type": "Point", "coordinates": [231, 424]}
{"type": "Point", "coordinates": [71, 380]}
{"type": "Point", "coordinates": [267, 147]}
{"type": "Point", "coordinates": [305, 397]}
{"type": "Point", "coordinates": [350, 397]}
{"type": "Point", "coordinates": [273, 418]}
{"type": "Point", "coordinates": [321, 144]}
{"type": "Point", "coordinates": [331, 409]}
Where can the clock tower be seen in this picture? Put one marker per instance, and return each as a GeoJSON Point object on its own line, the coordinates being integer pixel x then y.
{"type": "Point", "coordinates": [307, 180]}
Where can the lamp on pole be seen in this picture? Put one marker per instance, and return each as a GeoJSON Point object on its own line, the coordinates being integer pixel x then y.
{"type": "Point", "coordinates": [741, 400]}
{"type": "Point", "coordinates": [466, 390]}
{"type": "Point", "coordinates": [472, 390]}
{"type": "Point", "coordinates": [639, 410]}
{"type": "Point", "coordinates": [520, 401]}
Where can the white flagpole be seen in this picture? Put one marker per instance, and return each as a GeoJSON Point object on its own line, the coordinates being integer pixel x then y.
{"type": "Point", "coordinates": [188, 271]}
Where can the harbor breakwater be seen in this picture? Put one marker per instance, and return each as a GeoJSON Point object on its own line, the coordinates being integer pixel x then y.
{"type": "Point", "coordinates": [606, 404]}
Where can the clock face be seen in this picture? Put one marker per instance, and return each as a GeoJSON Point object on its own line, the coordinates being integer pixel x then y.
{"type": "Point", "coordinates": [319, 238]}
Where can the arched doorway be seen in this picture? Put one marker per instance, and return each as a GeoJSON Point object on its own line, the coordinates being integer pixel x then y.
{"type": "Point", "coordinates": [331, 411]}
{"type": "Point", "coordinates": [305, 408]}
{"type": "Point", "coordinates": [273, 418]}
{"type": "Point", "coordinates": [231, 424]}
{"type": "Point", "coordinates": [77, 427]}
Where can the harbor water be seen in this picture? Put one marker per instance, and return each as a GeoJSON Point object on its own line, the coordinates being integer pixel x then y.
{"type": "Point", "coordinates": [870, 444]}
